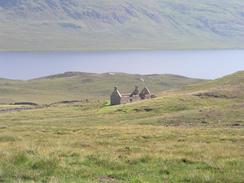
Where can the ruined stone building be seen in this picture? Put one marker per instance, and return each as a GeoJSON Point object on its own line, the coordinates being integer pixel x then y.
{"type": "Point", "coordinates": [117, 98]}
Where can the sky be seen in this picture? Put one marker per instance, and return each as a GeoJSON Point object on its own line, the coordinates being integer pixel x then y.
{"type": "Point", "coordinates": [198, 64]}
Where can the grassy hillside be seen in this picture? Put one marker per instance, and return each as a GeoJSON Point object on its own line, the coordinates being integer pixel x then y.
{"type": "Point", "coordinates": [121, 24]}
{"type": "Point", "coordinates": [231, 86]}
{"type": "Point", "coordinates": [177, 137]}
{"type": "Point", "coordinates": [76, 86]}
{"type": "Point", "coordinates": [217, 102]}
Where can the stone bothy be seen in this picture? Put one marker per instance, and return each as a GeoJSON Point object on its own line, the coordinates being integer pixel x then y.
{"type": "Point", "coordinates": [117, 98]}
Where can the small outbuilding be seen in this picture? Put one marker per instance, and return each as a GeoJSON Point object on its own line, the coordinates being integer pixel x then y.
{"type": "Point", "coordinates": [145, 94]}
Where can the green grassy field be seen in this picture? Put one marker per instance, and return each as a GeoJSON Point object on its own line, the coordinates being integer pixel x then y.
{"type": "Point", "coordinates": [193, 135]}
{"type": "Point", "coordinates": [77, 86]}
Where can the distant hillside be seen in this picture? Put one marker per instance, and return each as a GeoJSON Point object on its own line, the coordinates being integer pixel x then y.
{"type": "Point", "coordinates": [75, 85]}
{"type": "Point", "coordinates": [121, 24]}
{"type": "Point", "coordinates": [230, 86]}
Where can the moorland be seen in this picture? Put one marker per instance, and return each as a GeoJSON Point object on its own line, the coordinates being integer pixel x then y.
{"type": "Point", "coordinates": [192, 132]}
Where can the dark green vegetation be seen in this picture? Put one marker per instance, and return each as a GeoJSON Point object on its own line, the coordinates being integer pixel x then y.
{"type": "Point", "coordinates": [77, 86]}
{"type": "Point", "coordinates": [193, 135]}
{"type": "Point", "coordinates": [121, 24]}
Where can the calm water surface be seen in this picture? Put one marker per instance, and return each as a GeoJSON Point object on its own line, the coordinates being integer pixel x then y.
{"type": "Point", "coordinates": [199, 64]}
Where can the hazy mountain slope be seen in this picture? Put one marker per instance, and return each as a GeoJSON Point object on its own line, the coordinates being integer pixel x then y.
{"type": "Point", "coordinates": [120, 24]}
{"type": "Point", "coordinates": [73, 85]}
